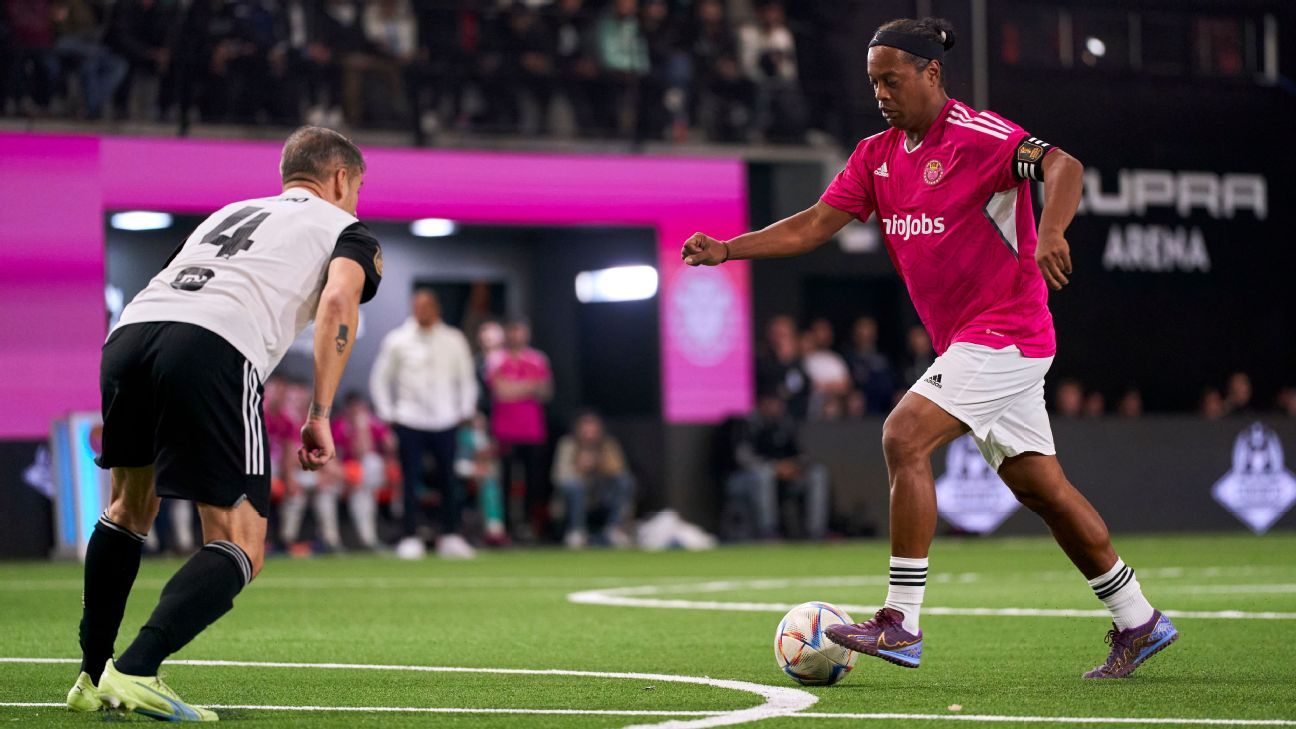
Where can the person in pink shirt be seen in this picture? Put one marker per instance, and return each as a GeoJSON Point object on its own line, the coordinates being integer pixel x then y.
{"type": "Point", "coordinates": [951, 188]}
{"type": "Point", "coordinates": [367, 448]}
{"type": "Point", "coordinates": [520, 382]}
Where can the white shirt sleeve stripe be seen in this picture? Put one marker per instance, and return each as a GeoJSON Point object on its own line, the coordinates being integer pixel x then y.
{"type": "Point", "coordinates": [983, 130]}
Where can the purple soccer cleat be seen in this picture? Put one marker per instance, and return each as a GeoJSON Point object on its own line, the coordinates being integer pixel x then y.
{"type": "Point", "coordinates": [1132, 646]}
{"type": "Point", "coordinates": [883, 636]}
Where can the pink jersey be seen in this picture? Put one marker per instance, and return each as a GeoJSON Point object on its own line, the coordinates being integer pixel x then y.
{"type": "Point", "coordinates": [959, 227]}
{"type": "Point", "coordinates": [520, 421]}
{"type": "Point", "coordinates": [343, 443]}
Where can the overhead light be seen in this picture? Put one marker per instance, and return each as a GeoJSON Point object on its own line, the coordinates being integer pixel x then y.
{"type": "Point", "coordinates": [433, 227]}
{"type": "Point", "coordinates": [1095, 46]}
{"type": "Point", "coordinates": [140, 220]}
{"type": "Point", "coordinates": [623, 283]}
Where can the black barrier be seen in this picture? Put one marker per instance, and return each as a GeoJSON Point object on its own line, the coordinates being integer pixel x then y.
{"type": "Point", "coordinates": [26, 513]}
{"type": "Point", "coordinates": [1152, 474]}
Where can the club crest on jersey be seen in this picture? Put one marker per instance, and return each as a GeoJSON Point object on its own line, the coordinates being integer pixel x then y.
{"type": "Point", "coordinates": [933, 171]}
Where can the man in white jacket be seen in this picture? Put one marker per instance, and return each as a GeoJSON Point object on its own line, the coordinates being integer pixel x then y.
{"type": "Point", "coordinates": [424, 384]}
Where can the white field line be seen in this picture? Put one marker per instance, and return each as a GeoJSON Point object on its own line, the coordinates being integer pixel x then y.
{"type": "Point", "coordinates": [641, 596]}
{"type": "Point", "coordinates": [1050, 719]}
{"type": "Point", "coordinates": [779, 700]}
{"type": "Point", "coordinates": [411, 710]}
{"type": "Point", "coordinates": [270, 581]}
{"type": "Point", "coordinates": [1228, 589]}
{"type": "Point", "coordinates": [798, 715]}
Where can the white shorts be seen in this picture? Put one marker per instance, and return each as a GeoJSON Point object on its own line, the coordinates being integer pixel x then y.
{"type": "Point", "coordinates": [998, 393]}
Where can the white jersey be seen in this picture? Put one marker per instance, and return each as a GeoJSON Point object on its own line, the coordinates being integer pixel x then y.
{"type": "Point", "coordinates": [253, 272]}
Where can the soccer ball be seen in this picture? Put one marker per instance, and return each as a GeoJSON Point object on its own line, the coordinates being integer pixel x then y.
{"type": "Point", "coordinates": [804, 652]}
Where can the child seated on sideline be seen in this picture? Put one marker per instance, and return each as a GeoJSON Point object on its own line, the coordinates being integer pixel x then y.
{"type": "Point", "coordinates": [367, 449]}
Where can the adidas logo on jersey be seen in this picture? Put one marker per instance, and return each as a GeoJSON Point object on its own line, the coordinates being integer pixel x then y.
{"type": "Point", "coordinates": [882, 171]}
{"type": "Point", "coordinates": [909, 225]}
{"type": "Point", "coordinates": [934, 381]}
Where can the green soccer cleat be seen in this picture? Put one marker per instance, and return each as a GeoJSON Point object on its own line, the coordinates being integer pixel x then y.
{"type": "Point", "coordinates": [84, 695]}
{"type": "Point", "coordinates": [149, 696]}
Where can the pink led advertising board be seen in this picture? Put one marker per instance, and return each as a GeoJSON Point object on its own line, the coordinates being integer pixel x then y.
{"type": "Point", "coordinates": [55, 190]}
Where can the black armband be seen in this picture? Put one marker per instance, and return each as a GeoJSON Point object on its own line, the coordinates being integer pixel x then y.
{"type": "Point", "coordinates": [1028, 159]}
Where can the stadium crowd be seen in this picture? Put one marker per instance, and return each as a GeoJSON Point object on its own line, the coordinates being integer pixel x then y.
{"type": "Point", "coordinates": [633, 69]}
{"type": "Point", "coordinates": [819, 377]}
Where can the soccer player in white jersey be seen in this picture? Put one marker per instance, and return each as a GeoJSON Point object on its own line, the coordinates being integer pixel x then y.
{"type": "Point", "coordinates": [951, 188]}
{"type": "Point", "coordinates": [181, 381]}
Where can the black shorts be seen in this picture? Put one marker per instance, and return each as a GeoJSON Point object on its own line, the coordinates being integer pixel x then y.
{"type": "Point", "coordinates": [181, 398]}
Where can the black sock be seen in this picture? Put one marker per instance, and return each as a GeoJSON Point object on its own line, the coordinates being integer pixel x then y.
{"type": "Point", "coordinates": [112, 560]}
{"type": "Point", "coordinates": [195, 597]}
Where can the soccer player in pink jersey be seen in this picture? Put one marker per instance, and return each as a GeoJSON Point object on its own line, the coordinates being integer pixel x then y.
{"type": "Point", "coordinates": [951, 188]}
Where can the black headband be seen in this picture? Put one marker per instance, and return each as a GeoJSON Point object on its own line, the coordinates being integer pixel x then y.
{"type": "Point", "coordinates": [918, 45]}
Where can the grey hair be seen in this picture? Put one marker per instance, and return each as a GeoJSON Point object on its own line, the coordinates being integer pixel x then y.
{"type": "Point", "coordinates": [312, 153]}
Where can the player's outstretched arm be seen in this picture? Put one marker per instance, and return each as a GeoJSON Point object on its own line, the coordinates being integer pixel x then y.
{"type": "Point", "coordinates": [335, 326]}
{"type": "Point", "coordinates": [1063, 184]}
{"type": "Point", "coordinates": [792, 236]}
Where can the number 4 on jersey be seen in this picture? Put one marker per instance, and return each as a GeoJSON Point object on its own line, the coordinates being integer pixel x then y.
{"type": "Point", "coordinates": [241, 240]}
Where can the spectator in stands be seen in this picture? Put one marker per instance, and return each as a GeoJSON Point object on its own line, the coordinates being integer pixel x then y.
{"type": "Point", "coordinates": [1130, 404]}
{"type": "Point", "coordinates": [666, 88]}
{"type": "Point", "coordinates": [78, 42]}
{"type": "Point", "coordinates": [391, 34]}
{"type": "Point", "coordinates": [1212, 405]}
{"type": "Point", "coordinates": [490, 348]}
{"type": "Point", "coordinates": [1238, 394]}
{"type": "Point", "coordinates": [310, 72]}
{"type": "Point", "coordinates": [367, 450]}
{"type": "Point", "coordinates": [780, 370]}
{"type": "Point", "coordinates": [1286, 401]}
{"type": "Point", "coordinates": [143, 32]}
{"type": "Point", "coordinates": [478, 466]}
{"type": "Point", "coordinates": [521, 383]}
{"type": "Point", "coordinates": [825, 337]}
{"type": "Point", "coordinates": [830, 380]}
{"type": "Point", "coordinates": [623, 58]}
{"type": "Point", "coordinates": [34, 67]}
{"type": "Point", "coordinates": [870, 369]}
{"type": "Point", "coordinates": [529, 65]}
{"type": "Point", "coordinates": [921, 356]}
{"type": "Point", "coordinates": [320, 487]}
{"type": "Point", "coordinates": [590, 468]}
{"type": "Point", "coordinates": [574, 57]}
{"type": "Point", "coordinates": [1095, 405]}
{"type": "Point", "coordinates": [772, 471]}
{"type": "Point", "coordinates": [724, 98]}
{"type": "Point", "coordinates": [1068, 399]}
{"type": "Point", "coordinates": [423, 383]}
{"type": "Point", "coordinates": [769, 59]}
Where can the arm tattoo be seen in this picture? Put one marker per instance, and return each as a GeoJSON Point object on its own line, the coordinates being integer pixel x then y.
{"type": "Point", "coordinates": [319, 411]}
{"type": "Point", "coordinates": [341, 338]}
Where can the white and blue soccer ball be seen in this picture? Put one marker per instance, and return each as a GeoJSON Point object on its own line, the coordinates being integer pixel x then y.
{"type": "Point", "coordinates": [802, 650]}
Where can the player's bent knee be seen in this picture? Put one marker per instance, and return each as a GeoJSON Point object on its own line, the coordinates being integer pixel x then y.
{"type": "Point", "coordinates": [900, 441]}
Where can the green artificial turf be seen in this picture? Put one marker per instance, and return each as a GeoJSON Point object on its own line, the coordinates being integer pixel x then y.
{"type": "Point", "coordinates": [510, 610]}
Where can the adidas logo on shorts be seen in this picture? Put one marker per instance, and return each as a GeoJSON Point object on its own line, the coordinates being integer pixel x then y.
{"type": "Point", "coordinates": [934, 381]}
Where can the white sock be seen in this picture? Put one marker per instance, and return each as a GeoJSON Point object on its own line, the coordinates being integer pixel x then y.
{"type": "Point", "coordinates": [1120, 591]}
{"type": "Point", "coordinates": [908, 583]}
